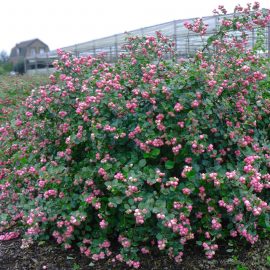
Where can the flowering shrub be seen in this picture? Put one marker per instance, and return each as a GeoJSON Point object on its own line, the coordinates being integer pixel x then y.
{"type": "Point", "coordinates": [148, 152]}
{"type": "Point", "coordinates": [15, 88]}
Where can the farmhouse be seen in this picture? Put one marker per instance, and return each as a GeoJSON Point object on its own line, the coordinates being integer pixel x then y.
{"type": "Point", "coordinates": [28, 48]}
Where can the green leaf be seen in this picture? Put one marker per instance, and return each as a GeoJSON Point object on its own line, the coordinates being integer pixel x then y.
{"type": "Point", "coordinates": [146, 155]}
{"type": "Point", "coordinates": [160, 204]}
{"type": "Point", "coordinates": [107, 166]}
{"type": "Point", "coordinates": [191, 174]}
{"type": "Point", "coordinates": [155, 152]}
{"type": "Point", "coordinates": [267, 222]}
{"type": "Point", "coordinates": [142, 163]}
{"type": "Point", "coordinates": [23, 160]}
{"type": "Point", "coordinates": [169, 164]}
{"type": "Point", "coordinates": [116, 200]}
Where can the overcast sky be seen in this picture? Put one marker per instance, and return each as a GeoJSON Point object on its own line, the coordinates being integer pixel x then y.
{"type": "Point", "coordinates": [61, 23]}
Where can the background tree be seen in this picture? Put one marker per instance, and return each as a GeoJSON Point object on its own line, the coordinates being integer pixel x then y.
{"type": "Point", "coordinates": [4, 57]}
{"type": "Point", "coordinates": [5, 65]}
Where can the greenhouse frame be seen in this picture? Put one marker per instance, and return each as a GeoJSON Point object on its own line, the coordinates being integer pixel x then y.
{"type": "Point", "coordinates": [186, 42]}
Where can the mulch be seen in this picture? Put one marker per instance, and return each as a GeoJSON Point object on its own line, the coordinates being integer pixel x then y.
{"type": "Point", "coordinates": [52, 257]}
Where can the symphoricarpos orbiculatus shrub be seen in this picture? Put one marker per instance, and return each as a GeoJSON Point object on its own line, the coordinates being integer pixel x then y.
{"type": "Point", "coordinates": [151, 152]}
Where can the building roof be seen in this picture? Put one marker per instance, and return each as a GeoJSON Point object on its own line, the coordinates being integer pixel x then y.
{"type": "Point", "coordinates": [27, 43]}
{"type": "Point", "coordinates": [23, 45]}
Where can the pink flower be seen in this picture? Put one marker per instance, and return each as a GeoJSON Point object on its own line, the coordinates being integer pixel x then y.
{"type": "Point", "coordinates": [178, 107]}
{"type": "Point", "coordinates": [62, 113]}
{"type": "Point", "coordinates": [162, 244]}
{"type": "Point", "coordinates": [181, 124]}
{"type": "Point", "coordinates": [176, 149]}
{"type": "Point", "coordinates": [215, 224]}
{"type": "Point", "coordinates": [28, 114]}
{"type": "Point", "coordinates": [186, 191]}
{"type": "Point", "coordinates": [185, 171]}
{"type": "Point", "coordinates": [212, 83]}
{"type": "Point", "coordinates": [9, 235]}
{"type": "Point", "coordinates": [103, 224]}
{"type": "Point", "coordinates": [195, 103]}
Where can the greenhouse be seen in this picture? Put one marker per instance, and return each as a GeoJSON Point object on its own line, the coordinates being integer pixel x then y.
{"type": "Point", "coordinates": [186, 42]}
